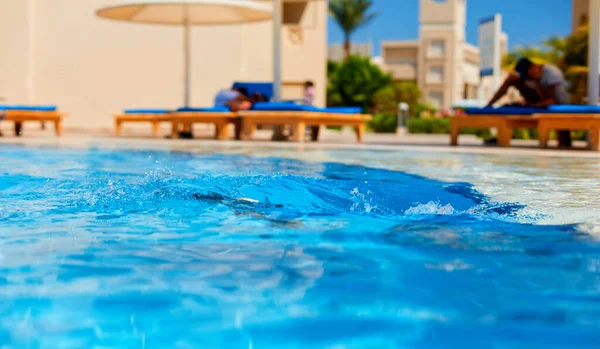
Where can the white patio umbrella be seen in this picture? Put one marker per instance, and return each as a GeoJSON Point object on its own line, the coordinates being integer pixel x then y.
{"type": "Point", "coordinates": [187, 14]}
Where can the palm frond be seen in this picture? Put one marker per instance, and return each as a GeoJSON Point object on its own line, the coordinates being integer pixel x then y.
{"type": "Point", "coordinates": [351, 14]}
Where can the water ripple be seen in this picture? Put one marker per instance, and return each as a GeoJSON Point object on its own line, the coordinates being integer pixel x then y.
{"type": "Point", "coordinates": [170, 250]}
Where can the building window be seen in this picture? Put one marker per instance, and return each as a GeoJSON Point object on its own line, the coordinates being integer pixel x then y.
{"type": "Point", "coordinates": [436, 98]}
{"type": "Point", "coordinates": [437, 48]}
{"type": "Point", "coordinates": [293, 12]}
{"type": "Point", "coordinates": [435, 75]}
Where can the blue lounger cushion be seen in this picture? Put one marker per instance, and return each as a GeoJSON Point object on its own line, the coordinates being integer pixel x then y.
{"type": "Point", "coordinates": [215, 109]}
{"type": "Point", "coordinates": [264, 88]}
{"type": "Point", "coordinates": [287, 106]}
{"type": "Point", "coordinates": [574, 109]}
{"type": "Point", "coordinates": [5, 107]}
{"type": "Point", "coordinates": [282, 106]}
{"type": "Point", "coordinates": [342, 110]}
{"type": "Point", "coordinates": [147, 111]}
{"type": "Point", "coordinates": [505, 111]}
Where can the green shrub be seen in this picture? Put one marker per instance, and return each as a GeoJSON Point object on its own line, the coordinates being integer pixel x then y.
{"type": "Point", "coordinates": [388, 122]}
{"type": "Point", "coordinates": [386, 100]}
{"type": "Point", "coordinates": [425, 108]}
{"type": "Point", "coordinates": [484, 133]}
{"type": "Point", "coordinates": [384, 123]}
{"type": "Point", "coordinates": [354, 82]}
{"type": "Point", "coordinates": [441, 126]}
{"type": "Point", "coordinates": [432, 126]}
{"type": "Point", "coordinates": [579, 135]}
{"type": "Point", "coordinates": [524, 133]}
{"type": "Point", "coordinates": [532, 134]}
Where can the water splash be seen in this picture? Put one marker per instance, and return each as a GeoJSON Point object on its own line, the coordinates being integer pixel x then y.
{"type": "Point", "coordinates": [431, 208]}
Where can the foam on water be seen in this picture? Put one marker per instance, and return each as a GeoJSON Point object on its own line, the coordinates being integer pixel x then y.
{"type": "Point", "coordinates": [118, 249]}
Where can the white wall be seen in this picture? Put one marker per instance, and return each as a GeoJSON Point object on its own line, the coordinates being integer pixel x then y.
{"type": "Point", "coordinates": [304, 57]}
{"type": "Point", "coordinates": [13, 40]}
{"type": "Point", "coordinates": [471, 73]}
{"type": "Point", "coordinates": [93, 68]}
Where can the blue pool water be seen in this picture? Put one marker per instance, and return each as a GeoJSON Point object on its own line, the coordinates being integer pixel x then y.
{"type": "Point", "coordinates": [135, 249]}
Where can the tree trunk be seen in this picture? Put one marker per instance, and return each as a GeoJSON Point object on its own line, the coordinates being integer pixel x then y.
{"type": "Point", "coordinates": [347, 47]}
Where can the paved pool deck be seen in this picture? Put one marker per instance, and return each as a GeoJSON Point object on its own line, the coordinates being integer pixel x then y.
{"type": "Point", "coordinates": [345, 139]}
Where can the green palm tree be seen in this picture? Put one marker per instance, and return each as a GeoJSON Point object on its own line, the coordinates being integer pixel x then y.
{"type": "Point", "coordinates": [553, 51]}
{"type": "Point", "coordinates": [556, 49]}
{"type": "Point", "coordinates": [532, 52]}
{"type": "Point", "coordinates": [350, 15]}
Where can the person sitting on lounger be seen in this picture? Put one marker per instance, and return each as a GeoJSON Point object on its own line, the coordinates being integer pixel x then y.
{"type": "Point", "coordinates": [309, 94]}
{"type": "Point", "coordinates": [540, 85]}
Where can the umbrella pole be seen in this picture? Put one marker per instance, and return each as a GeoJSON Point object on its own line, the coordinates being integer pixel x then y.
{"type": "Point", "coordinates": [186, 48]}
{"type": "Point", "coordinates": [277, 130]}
{"type": "Point", "coordinates": [594, 53]}
{"type": "Point", "coordinates": [277, 50]}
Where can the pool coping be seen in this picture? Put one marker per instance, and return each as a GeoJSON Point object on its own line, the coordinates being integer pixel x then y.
{"type": "Point", "coordinates": [201, 145]}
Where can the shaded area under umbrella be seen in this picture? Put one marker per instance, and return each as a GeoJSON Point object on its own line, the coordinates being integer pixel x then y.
{"type": "Point", "coordinates": [187, 14]}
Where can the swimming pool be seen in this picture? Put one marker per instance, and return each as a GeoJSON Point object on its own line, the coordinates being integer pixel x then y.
{"type": "Point", "coordinates": [151, 249]}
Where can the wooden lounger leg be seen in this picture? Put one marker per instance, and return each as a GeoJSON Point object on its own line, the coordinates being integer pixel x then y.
{"type": "Point", "coordinates": [454, 133]}
{"type": "Point", "coordinates": [222, 131]}
{"type": "Point", "coordinates": [18, 128]}
{"type": "Point", "coordinates": [314, 132]}
{"type": "Point", "coordinates": [238, 129]}
{"type": "Point", "coordinates": [504, 136]}
{"type": "Point", "coordinates": [278, 133]}
{"type": "Point", "coordinates": [360, 133]}
{"type": "Point", "coordinates": [594, 139]}
{"type": "Point", "coordinates": [156, 128]}
{"type": "Point", "coordinates": [118, 127]}
{"type": "Point", "coordinates": [174, 129]}
{"type": "Point", "coordinates": [299, 131]}
{"type": "Point", "coordinates": [248, 129]}
{"type": "Point", "coordinates": [245, 126]}
{"type": "Point", "coordinates": [543, 135]}
{"type": "Point", "coordinates": [58, 127]}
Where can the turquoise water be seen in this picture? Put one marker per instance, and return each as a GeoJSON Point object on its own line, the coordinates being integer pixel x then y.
{"type": "Point", "coordinates": [134, 249]}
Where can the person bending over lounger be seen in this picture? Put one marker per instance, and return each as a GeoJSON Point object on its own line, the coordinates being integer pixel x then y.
{"type": "Point", "coordinates": [236, 99]}
{"type": "Point", "coordinates": [540, 85]}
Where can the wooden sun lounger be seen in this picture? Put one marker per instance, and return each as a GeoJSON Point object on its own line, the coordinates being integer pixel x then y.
{"type": "Point", "coordinates": [184, 120]}
{"type": "Point", "coordinates": [505, 124]}
{"type": "Point", "coordinates": [154, 118]}
{"type": "Point", "coordinates": [21, 116]}
{"type": "Point", "coordinates": [299, 120]}
{"type": "Point", "coordinates": [589, 122]}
